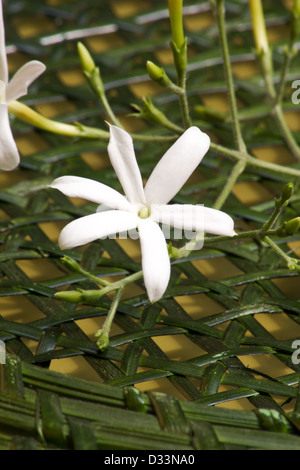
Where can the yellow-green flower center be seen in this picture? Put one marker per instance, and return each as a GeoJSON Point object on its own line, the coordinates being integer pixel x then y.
{"type": "Point", "coordinates": [144, 212]}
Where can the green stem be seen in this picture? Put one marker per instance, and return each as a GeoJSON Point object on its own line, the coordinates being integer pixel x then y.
{"type": "Point", "coordinates": [241, 164]}
{"type": "Point", "coordinates": [235, 173]}
{"type": "Point", "coordinates": [275, 98]}
{"type": "Point", "coordinates": [289, 53]}
{"type": "Point", "coordinates": [184, 101]}
{"type": "Point", "coordinates": [280, 204]}
{"type": "Point", "coordinates": [252, 161]}
{"type": "Point", "coordinates": [26, 114]}
{"type": "Point", "coordinates": [285, 130]}
{"type": "Point", "coordinates": [108, 109]}
{"type": "Point", "coordinates": [292, 263]}
{"type": "Point", "coordinates": [103, 334]}
{"type": "Point", "coordinates": [220, 13]}
{"type": "Point", "coordinates": [80, 295]}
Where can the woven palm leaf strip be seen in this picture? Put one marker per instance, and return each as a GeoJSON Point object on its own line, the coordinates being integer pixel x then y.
{"type": "Point", "coordinates": [42, 409]}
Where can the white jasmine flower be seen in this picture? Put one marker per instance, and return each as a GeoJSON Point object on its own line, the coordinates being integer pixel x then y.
{"type": "Point", "coordinates": [11, 91]}
{"type": "Point", "coordinates": [143, 208]}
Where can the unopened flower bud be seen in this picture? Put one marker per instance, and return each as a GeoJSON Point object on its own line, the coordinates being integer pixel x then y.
{"type": "Point", "coordinates": [259, 27]}
{"type": "Point", "coordinates": [71, 264]}
{"type": "Point", "coordinates": [90, 70]}
{"type": "Point", "coordinates": [103, 340]}
{"type": "Point", "coordinates": [157, 74]}
{"type": "Point", "coordinates": [175, 12]}
{"type": "Point", "coordinates": [87, 62]}
{"type": "Point", "coordinates": [287, 192]}
{"type": "Point", "coordinates": [289, 228]}
{"type": "Point", "coordinates": [72, 296]}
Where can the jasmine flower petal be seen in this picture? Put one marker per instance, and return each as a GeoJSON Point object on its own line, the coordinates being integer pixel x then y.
{"type": "Point", "coordinates": [99, 225]}
{"type": "Point", "coordinates": [9, 154]}
{"type": "Point", "coordinates": [176, 166]}
{"type": "Point", "coordinates": [9, 91]}
{"type": "Point", "coordinates": [193, 217]}
{"type": "Point", "coordinates": [22, 79]}
{"type": "Point", "coordinates": [218, 222]}
{"type": "Point", "coordinates": [122, 157]}
{"type": "Point", "coordinates": [155, 259]}
{"type": "Point", "coordinates": [85, 188]}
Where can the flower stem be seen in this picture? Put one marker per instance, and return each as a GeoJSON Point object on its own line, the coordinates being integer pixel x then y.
{"type": "Point", "coordinates": [290, 51]}
{"type": "Point", "coordinates": [252, 161]}
{"type": "Point", "coordinates": [220, 14]}
{"type": "Point", "coordinates": [292, 263]}
{"type": "Point", "coordinates": [27, 114]}
{"type": "Point", "coordinates": [265, 59]}
{"type": "Point", "coordinates": [240, 166]}
{"type": "Point", "coordinates": [103, 334]}
{"type": "Point", "coordinates": [286, 132]}
{"type": "Point", "coordinates": [235, 173]}
{"type": "Point", "coordinates": [280, 204]}
{"type": "Point", "coordinates": [179, 49]}
{"type": "Point", "coordinates": [81, 295]}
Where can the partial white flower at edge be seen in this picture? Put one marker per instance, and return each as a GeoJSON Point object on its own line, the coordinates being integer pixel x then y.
{"type": "Point", "coordinates": [11, 91]}
{"type": "Point", "coordinates": [133, 211]}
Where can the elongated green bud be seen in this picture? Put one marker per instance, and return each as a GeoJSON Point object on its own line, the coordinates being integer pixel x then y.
{"type": "Point", "coordinates": [259, 27]}
{"type": "Point", "coordinates": [90, 70]}
{"type": "Point", "coordinates": [157, 74]}
{"type": "Point", "coordinates": [87, 62]}
{"type": "Point", "coordinates": [72, 296]}
{"type": "Point", "coordinates": [179, 42]}
{"type": "Point", "coordinates": [175, 12]}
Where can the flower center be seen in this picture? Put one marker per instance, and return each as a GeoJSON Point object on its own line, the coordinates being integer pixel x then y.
{"type": "Point", "coordinates": [144, 212]}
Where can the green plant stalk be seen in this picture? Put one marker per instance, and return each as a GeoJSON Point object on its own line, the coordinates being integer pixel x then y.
{"type": "Point", "coordinates": [288, 56]}
{"type": "Point", "coordinates": [179, 49]}
{"type": "Point", "coordinates": [188, 247]}
{"type": "Point", "coordinates": [103, 334]}
{"type": "Point", "coordinates": [292, 263]}
{"type": "Point", "coordinates": [81, 295]}
{"type": "Point", "coordinates": [111, 115]}
{"type": "Point", "coordinates": [290, 51]}
{"type": "Point", "coordinates": [286, 132]}
{"type": "Point", "coordinates": [278, 114]}
{"type": "Point", "coordinates": [250, 160]}
{"type": "Point", "coordinates": [241, 164]}
{"type": "Point", "coordinates": [280, 204]}
{"type": "Point", "coordinates": [237, 170]}
{"type": "Point", "coordinates": [220, 14]}
{"type": "Point", "coordinates": [27, 114]}
{"type": "Point", "coordinates": [265, 59]}
{"type": "Point", "coordinates": [75, 267]}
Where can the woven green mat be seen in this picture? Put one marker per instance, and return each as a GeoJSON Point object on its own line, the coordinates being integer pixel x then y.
{"type": "Point", "coordinates": [41, 408]}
